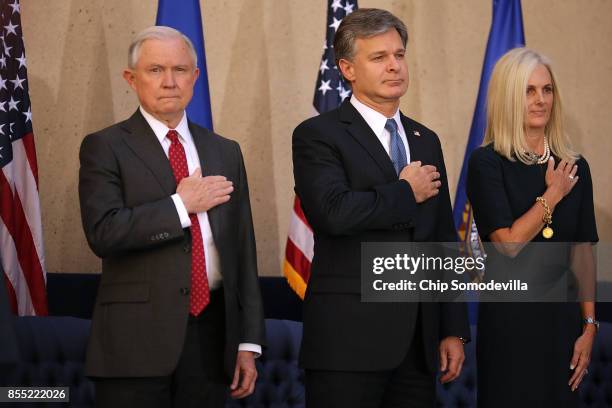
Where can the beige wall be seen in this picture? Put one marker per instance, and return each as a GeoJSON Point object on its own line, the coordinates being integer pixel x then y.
{"type": "Point", "coordinates": [262, 64]}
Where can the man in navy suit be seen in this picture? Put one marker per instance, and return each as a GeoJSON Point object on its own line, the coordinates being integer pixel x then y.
{"type": "Point", "coordinates": [366, 173]}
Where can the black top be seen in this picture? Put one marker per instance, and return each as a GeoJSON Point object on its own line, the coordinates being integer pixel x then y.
{"type": "Point", "coordinates": [501, 191]}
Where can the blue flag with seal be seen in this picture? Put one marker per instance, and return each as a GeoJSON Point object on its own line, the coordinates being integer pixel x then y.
{"type": "Point", "coordinates": [185, 16]}
{"type": "Point", "coordinates": [506, 33]}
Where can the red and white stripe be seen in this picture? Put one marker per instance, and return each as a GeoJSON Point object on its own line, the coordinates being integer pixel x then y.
{"type": "Point", "coordinates": [299, 250]}
{"type": "Point", "coordinates": [21, 240]}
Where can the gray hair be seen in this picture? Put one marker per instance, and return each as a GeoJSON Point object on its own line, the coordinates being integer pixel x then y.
{"type": "Point", "coordinates": [365, 23]}
{"type": "Point", "coordinates": [157, 33]}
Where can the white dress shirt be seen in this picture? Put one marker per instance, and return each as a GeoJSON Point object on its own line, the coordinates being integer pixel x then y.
{"type": "Point", "coordinates": [377, 122]}
{"type": "Point", "coordinates": [213, 266]}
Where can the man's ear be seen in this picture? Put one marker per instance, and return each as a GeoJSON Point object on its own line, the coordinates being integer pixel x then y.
{"type": "Point", "coordinates": [347, 69]}
{"type": "Point", "coordinates": [128, 75]}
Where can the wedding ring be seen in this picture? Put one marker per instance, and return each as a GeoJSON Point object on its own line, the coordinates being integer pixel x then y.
{"type": "Point", "coordinates": [586, 371]}
{"type": "Point", "coordinates": [571, 177]}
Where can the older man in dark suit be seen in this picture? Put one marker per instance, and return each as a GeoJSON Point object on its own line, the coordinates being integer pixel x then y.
{"type": "Point", "coordinates": [366, 173]}
{"type": "Point", "coordinates": [165, 204]}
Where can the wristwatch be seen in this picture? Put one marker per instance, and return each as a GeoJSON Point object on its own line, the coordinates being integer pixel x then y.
{"type": "Point", "coordinates": [591, 320]}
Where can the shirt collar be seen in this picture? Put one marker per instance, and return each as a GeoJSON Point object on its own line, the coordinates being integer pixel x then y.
{"type": "Point", "coordinates": [161, 130]}
{"type": "Point", "coordinates": [373, 118]}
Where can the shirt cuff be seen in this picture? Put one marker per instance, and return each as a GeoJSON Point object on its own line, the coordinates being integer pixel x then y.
{"type": "Point", "coordinates": [181, 210]}
{"type": "Point", "coordinates": [255, 348]}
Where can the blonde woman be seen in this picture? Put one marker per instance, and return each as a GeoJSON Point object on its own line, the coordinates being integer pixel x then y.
{"type": "Point", "coordinates": [526, 184]}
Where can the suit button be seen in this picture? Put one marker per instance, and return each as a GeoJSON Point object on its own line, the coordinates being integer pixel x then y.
{"type": "Point", "coordinates": [186, 248]}
{"type": "Point", "coordinates": [184, 291]}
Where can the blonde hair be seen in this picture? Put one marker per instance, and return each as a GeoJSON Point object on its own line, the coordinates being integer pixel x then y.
{"type": "Point", "coordinates": [506, 106]}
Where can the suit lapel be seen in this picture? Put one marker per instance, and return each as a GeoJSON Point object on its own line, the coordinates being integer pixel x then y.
{"type": "Point", "coordinates": [143, 142]}
{"type": "Point", "coordinates": [361, 131]}
{"type": "Point", "coordinates": [415, 143]}
{"type": "Point", "coordinates": [211, 164]}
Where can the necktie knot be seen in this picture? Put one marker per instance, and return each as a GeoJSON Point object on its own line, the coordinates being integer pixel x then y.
{"type": "Point", "coordinates": [172, 135]}
{"type": "Point", "coordinates": [391, 126]}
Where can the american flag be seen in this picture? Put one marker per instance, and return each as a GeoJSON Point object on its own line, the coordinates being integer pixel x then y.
{"type": "Point", "coordinates": [21, 241]}
{"type": "Point", "coordinates": [330, 92]}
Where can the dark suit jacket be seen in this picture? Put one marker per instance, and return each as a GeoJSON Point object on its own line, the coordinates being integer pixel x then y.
{"type": "Point", "coordinates": [9, 353]}
{"type": "Point", "coordinates": [351, 194]}
{"type": "Point", "coordinates": [130, 221]}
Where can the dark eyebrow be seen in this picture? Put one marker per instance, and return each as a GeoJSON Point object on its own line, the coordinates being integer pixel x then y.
{"type": "Point", "coordinates": [377, 53]}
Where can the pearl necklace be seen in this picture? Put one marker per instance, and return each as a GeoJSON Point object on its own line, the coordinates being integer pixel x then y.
{"type": "Point", "coordinates": [537, 159]}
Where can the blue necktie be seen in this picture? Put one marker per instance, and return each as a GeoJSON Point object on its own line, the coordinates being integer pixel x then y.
{"type": "Point", "coordinates": [397, 149]}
